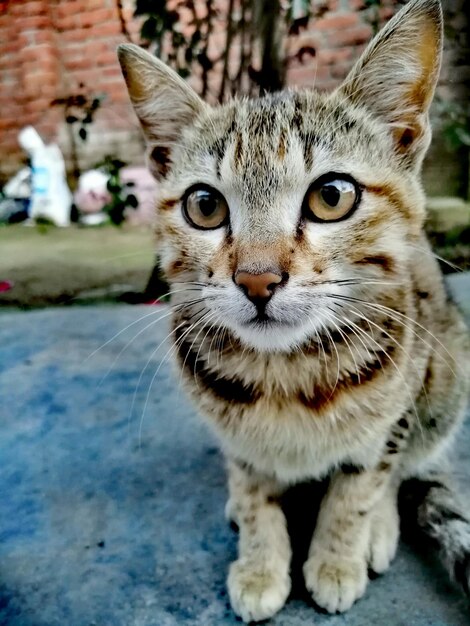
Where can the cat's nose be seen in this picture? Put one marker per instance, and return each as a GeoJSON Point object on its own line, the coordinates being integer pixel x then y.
{"type": "Point", "coordinates": [258, 287]}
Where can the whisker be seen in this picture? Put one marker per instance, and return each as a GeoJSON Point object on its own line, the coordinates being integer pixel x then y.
{"type": "Point", "coordinates": [214, 316]}
{"type": "Point", "coordinates": [400, 373]}
{"type": "Point", "coordinates": [172, 349]}
{"type": "Point", "coordinates": [133, 323]}
{"type": "Point", "coordinates": [152, 323]}
{"type": "Point", "coordinates": [400, 346]}
{"type": "Point", "coordinates": [191, 347]}
{"type": "Point", "coordinates": [331, 340]}
{"type": "Point", "coordinates": [436, 256]}
{"type": "Point", "coordinates": [396, 315]}
{"type": "Point", "coordinates": [344, 336]}
{"type": "Point", "coordinates": [120, 333]}
{"type": "Point", "coordinates": [144, 369]}
{"type": "Point", "coordinates": [149, 360]}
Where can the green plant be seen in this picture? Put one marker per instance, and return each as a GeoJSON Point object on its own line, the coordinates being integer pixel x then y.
{"type": "Point", "coordinates": [121, 198]}
{"type": "Point", "coordinates": [455, 119]}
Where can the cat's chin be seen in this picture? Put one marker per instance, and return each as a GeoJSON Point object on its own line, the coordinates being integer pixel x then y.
{"type": "Point", "coordinates": [272, 336]}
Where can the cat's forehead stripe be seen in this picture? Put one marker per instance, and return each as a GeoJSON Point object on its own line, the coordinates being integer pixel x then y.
{"type": "Point", "coordinates": [261, 131]}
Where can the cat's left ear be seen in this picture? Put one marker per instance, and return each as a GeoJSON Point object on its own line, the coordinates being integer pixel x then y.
{"type": "Point", "coordinates": [163, 102]}
{"type": "Point", "coordinates": [396, 76]}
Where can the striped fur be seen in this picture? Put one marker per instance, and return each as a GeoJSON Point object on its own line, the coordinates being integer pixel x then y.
{"type": "Point", "coordinates": [363, 375]}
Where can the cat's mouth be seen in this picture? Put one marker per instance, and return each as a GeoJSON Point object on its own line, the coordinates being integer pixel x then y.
{"type": "Point", "coordinates": [263, 320]}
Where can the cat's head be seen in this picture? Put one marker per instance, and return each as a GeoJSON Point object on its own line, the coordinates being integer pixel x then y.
{"type": "Point", "coordinates": [271, 210]}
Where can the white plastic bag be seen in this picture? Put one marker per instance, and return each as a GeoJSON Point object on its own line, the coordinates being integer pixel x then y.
{"type": "Point", "coordinates": [51, 197]}
{"type": "Point", "coordinates": [20, 185]}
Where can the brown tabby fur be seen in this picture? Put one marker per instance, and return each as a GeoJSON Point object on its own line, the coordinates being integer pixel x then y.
{"type": "Point", "coordinates": [364, 380]}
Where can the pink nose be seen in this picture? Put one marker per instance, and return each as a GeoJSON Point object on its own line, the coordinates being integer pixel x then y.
{"type": "Point", "coordinates": [258, 286]}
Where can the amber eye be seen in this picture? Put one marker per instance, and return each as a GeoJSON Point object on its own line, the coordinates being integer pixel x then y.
{"type": "Point", "coordinates": [331, 199]}
{"type": "Point", "coordinates": [205, 208]}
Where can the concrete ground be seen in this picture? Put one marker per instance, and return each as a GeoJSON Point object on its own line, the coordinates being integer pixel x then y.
{"type": "Point", "coordinates": [112, 510]}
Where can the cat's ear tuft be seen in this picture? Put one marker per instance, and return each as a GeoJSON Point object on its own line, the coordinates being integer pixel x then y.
{"type": "Point", "coordinates": [163, 102]}
{"type": "Point", "coordinates": [396, 76]}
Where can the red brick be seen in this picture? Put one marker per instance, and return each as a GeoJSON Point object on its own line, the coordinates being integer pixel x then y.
{"type": "Point", "coordinates": [117, 93]}
{"type": "Point", "coordinates": [87, 77]}
{"type": "Point", "coordinates": [351, 36]}
{"type": "Point", "coordinates": [326, 84]}
{"type": "Point", "coordinates": [34, 106]}
{"type": "Point", "coordinates": [48, 65]}
{"type": "Point", "coordinates": [338, 21]}
{"type": "Point", "coordinates": [94, 4]}
{"type": "Point", "coordinates": [340, 70]}
{"type": "Point", "coordinates": [386, 13]}
{"type": "Point", "coordinates": [34, 79]}
{"type": "Point", "coordinates": [35, 22]}
{"type": "Point", "coordinates": [12, 46]}
{"type": "Point", "coordinates": [98, 17]}
{"type": "Point", "coordinates": [71, 7]}
{"type": "Point", "coordinates": [74, 36]}
{"type": "Point", "coordinates": [95, 48]}
{"type": "Point", "coordinates": [111, 72]}
{"type": "Point", "coordinates": [39, 52]}
{"type": "Point", "coordinates": [6, 123]}
{"type": "Point", "coordinates": [82, 63]}
{"type": "Point", "coordinates": [306, 76]}
{"type": "Point", "coordinates": [35, 7]}
{"type": "Point", "coordinates": [107, 58]}
{"type": "Point", "coordinates": [68, 22]}
{"type": "Point", "coordinates": [9, 60]}
{"type": "Point", "coordinates": [44, 36]}
{"type": "Point", "coordinates": [335, 55]}
{"type": "Point", "coordinates": [110, 28]}
{"type": "Point", "coordinates": [357, 5]}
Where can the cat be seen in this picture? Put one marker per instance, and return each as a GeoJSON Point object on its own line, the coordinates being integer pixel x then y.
{"type": "Point", "coordinates": [310, 319]}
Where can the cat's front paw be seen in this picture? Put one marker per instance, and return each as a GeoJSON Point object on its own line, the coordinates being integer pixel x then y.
{"type": "Point", "coordinates": [256, 592]}
{"type": "Point", "coordinates": [335, 583]}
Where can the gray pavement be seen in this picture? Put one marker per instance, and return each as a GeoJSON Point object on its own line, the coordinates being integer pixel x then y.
{"type": "Point", "coordinates": [111, 512]}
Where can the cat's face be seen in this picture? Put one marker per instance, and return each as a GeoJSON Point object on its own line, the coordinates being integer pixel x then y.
{"type": "Point", "coordinates": [271, 210]}
{"type": "Point", "coordinates": [289, 191]}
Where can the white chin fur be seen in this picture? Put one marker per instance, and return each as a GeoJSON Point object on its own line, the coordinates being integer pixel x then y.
{"type": "Point", "coordinates": [273, 338]}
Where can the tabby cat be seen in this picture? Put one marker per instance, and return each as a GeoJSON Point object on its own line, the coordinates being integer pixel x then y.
{"type": "Point", "coordinates": [310, 319]}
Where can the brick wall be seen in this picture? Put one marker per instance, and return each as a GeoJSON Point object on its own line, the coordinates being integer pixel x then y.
{"type": "Point", "coordinates": [338, 38]}
{"type": "Point", "coordinates": [52, 48]}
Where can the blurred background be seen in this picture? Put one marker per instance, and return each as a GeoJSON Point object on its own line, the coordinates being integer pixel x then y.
{"type": "Point", "coordinates": [76, 202]}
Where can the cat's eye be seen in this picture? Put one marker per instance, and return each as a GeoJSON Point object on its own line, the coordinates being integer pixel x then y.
{"type": "Point", "coordinates": [205, 208]}
{"type": "Point", "coordinates": [331, 198]}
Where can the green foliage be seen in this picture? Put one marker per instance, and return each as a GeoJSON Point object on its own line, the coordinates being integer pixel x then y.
{"type": "Point", "coordinates": [43, 224]}
{"type": "Point", "coordinates": [455, 119]}
{"type": "Point", "coordinates": [121, 198]}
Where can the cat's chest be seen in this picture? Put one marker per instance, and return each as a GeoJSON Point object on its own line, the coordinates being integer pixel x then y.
{"type": "Point", "coordinates": [297, 416]}
{"type": "Point", "coordinates": [287, 438]}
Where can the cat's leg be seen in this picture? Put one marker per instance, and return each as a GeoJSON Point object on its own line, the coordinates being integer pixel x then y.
{"type": "Point", "coordinates": [336, 569]}
{"type": "Point", "coordinates": [384, 532]}
{"type": "Point", "coordinates": [259, 580]}
{"type": "Point", "coordinates": [357, 527]}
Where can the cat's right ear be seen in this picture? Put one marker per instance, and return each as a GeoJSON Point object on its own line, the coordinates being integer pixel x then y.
{"type": "Point", "coordinates": [396, 76]}
{"type": "Point", "coordinates": [163, 102]}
